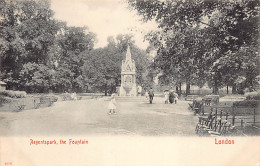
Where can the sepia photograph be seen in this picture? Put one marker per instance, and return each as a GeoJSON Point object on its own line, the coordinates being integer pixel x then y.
{"type": "Point", "coordinates": [129, 82]}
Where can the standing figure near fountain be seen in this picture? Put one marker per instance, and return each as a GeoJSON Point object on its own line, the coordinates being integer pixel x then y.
{"type": "Point", "coordinates": [166, 96]}
{"type": "Point", "coordinates": [151, 95]}
{"type": "Point", "coordinates": [139, 91]}
{"type": "Point", "coordinates": [171, 95]}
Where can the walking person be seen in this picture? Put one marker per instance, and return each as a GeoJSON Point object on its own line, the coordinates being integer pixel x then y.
{"type": "Point", "coordinates": [171, 96]}
{"type": "Point", "coordinates": [112, 105]}
{"type": "Point", "coordinates": [175, 95]}
{"type": "Point", "coordinates": [146, 94]}
{"type": "Point", "coordinates": [139, 91]}
{"type": "Point", "coordinates": [74, 96]}
{"type": "Point", "coordinates": [151, 95]}
{"type": "Point", "coordinates": [166, 96]}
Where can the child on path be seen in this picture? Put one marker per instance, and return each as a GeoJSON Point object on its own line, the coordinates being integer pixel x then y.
{"type": "Point", "coordinates": [112, 105]}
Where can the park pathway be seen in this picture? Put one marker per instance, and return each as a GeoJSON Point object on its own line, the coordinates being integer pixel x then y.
{"type": "Point", "coordinates": [90, 117]}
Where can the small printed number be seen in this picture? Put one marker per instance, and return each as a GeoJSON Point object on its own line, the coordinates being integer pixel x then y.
{"type": "Point", "coordinates": [8, 163]}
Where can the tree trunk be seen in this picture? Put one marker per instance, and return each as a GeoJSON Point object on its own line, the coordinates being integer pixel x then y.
{"type": "Point", "coordinates": [86, 88]}
{"type": "Point", "coordinates": [215, 89]}
{"type": "Point", "coordinates": [227, 89]}
{"type": "Point", "coordinates": [234, 89]}
{"type": "Point", "coordinates": [106, 90]}
{"type": "Point", "coordinates": [187, 88]}
{"type": "Point", "coordinates": [180, 89]}
{"type": "Point", "coordinates": [112, 89]}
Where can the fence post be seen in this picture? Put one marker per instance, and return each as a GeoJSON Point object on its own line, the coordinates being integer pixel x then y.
{"type": "Point", "coordinates": [233, 120]}
{"type": "Point", "coordinates": [216, 119]}
{"type": "Point", "coordinates": [254, 116]}
{"type": "Point", "coordinates": [226, 115]}
{"type": "Point", "coordinates": [233, 116]}
{"type": "Point", "coordinates": [221, 114]}
{"type": "Point", "coordinates": [241, 123]}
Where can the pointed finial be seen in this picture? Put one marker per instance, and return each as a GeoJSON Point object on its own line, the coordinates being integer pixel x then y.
{"type": "Point", "coordinates": [128, 53]}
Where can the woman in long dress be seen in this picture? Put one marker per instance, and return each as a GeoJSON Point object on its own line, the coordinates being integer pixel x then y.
{"type": "Point", "coordinates": [146, 94]}
{"type": "Point", "coordinates": [175, 97]}
{"type": "Point", "coordinates": [166, 96]}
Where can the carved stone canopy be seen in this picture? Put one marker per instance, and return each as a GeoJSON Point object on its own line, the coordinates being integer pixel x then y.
{"type": "Point", "coordinates": [128, 65]}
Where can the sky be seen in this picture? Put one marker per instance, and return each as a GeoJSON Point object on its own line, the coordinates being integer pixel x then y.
{"type": "Point", "coordinates": [104, 18]}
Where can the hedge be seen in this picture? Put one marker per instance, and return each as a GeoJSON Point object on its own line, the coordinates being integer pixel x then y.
{"type": "Point", "coordinates": [13, 94]}
{"type": "Point", "coordinates": [246, 103]}
{"type": "Point", "coordinates": [252, 96]}
{"type": "Point", "coordinates": [4, 100]}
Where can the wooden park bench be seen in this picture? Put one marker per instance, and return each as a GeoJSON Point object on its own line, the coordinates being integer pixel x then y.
{"type": "Point", "coordinates": [209, 100]}
{"type": "Point", "coordinates": [191, 97]}
{"type": "Point", "coordinates": [214, 125]}
{"type": "Point", "coordinates": [205, 123]}
{"type": "Point", "coordinates": [79, 97]}
{"type": "Point", "coordinates": [18, 106]}
{"type": "Point", "coordinates": [190, 106]}
{"type": "Point", "coordinates": [37, 103]}
{"type": "Point", "coordinates": [42, 101]}
{"type": "Point", "coordinates": [218, 128]}
{"type": "Point", "coordinates": [21, 107]}
{"type": "Point", "coordinates": [94, 97]}
{"type": "Point", "coordinates": [223, 129]}
{"type": "Point", "coordinates": [197, 107]}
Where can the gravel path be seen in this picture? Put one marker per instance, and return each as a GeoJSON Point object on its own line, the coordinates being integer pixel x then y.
{"type": "Point", "coordinates": [91, 117]}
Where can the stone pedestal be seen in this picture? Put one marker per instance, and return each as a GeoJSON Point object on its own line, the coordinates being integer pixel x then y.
{"type": "Point", "coordinates": [127, 92]}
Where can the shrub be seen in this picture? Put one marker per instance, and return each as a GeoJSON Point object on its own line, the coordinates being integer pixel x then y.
{"type": "Point", "coordinates": [246, 103]}
{"type": "Point", "coordinates": [4, 100]}
{"type": "Point", "coordinates": [13, 94]}
{"type": "Point", "coordinates": [66, 96]}
{"type": "Point", "coordinates": [252, 96]}
{"type": "Point", "coordinates": [53, 98]}
{"type": "Point", "coordinates": [4, 93]}
{"type": "Point", "coordinates": [20, 94]}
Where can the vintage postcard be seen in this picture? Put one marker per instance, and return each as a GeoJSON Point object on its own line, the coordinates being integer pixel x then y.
{"type": "Point", "coordinates": [129, 83]}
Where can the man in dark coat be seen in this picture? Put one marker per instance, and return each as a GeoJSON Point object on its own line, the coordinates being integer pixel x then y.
{"type": "Point", "coordinates": [171, 96]}
{"type": "Point", "coordinates": [151, 94]}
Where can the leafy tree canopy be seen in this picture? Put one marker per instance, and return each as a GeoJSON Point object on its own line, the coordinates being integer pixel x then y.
{"type": "Point", "coordinates": [202, 41]}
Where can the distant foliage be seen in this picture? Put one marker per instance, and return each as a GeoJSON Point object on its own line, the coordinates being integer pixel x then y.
{"type": "Point", "coordinates": [252, 96]}
{"type": "Point", "coordinates": [247, 103]}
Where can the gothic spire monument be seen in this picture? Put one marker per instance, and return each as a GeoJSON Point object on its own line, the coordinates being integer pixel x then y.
{"type": "Point", "coordinates": [128, 76]}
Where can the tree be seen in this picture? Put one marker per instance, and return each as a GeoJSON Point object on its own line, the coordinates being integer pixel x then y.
{"type": "Point", "coordinates": [72, 42]}
{"type": "Point", "coordinates": [27, 31]}
{"type": "Point", "coordinates": [37, 51]}
{"type": "Point", "coordinates": [102, 66]}
{"type": "Point", "coordinates": [203, 32]}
